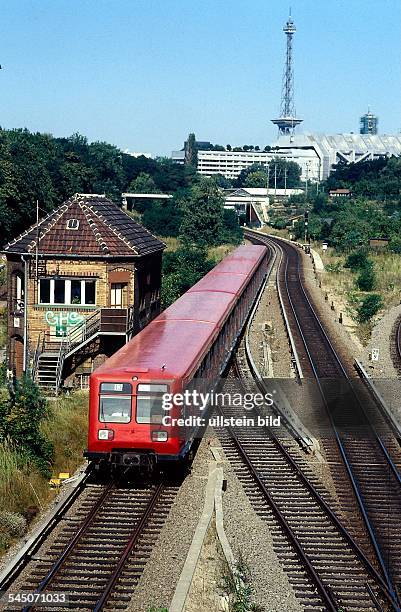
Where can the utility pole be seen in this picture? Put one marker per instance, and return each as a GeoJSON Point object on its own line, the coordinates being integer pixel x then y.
{"type": "Point", "coordinates": [285, 180]}
{"type": "Point", "coordinates": [275, 181]}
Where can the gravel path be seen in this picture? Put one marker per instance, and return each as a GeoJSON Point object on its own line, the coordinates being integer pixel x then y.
{"type": "Point", "coordinates": [386, 378]}
{"type": "Point", "coordinates": [158, 581]}
{"type": "Point", "coordinates": [250, 537]}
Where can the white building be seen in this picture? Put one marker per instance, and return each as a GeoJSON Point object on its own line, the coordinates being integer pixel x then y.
{"type": "Point", "coordinates": [244, 200]}
{"type": "Point", "coordinates": [316, 154]}
{"type": "Point", "coordinates": [230, 163]}
{"type": "Point", "coordinates": [330, 150]}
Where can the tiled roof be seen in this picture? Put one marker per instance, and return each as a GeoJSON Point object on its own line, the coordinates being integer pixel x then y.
{"type": "Point", "coordinates": [104, 230]}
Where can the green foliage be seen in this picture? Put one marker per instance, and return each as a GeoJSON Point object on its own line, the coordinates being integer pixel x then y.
{"type": "Point", "coordinates": [369, 307]}
{"type": "Point", "coordinates": [334, 268]}
{"type": "Point", "coordinates": [395, 244]}
{"type": "Point", "coordinates": [231, 232]}
{"type": "Point", "coordinates": [357, 260]}
{"type": "Point", "coordinates": [366, 279]}
{"type": "Point", "coordinates": [143, 183]}
{"type": "Point", "coordinates": [239, 589]}
{"type": "Point", "coordinates": [181, 270]}
{"type": "Point", "coordinates": [50, 170]}
{"type": "Point", "coordinates": [202, 221]}
{"type": "Point", "coordinates": [163, 218]}
{"type": "Point", "coordinates": [22, 410]}
{"type": "Point", "coordinates": [256, 179]}
{"type": "Point", "coordinates": [256, 175]}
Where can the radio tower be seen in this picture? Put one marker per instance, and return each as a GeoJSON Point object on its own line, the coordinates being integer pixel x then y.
{"type": "Point", "coordinates": [288, 121]}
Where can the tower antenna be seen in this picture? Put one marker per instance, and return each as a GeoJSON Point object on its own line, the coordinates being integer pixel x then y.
{"type": "Point", "coordinates": [288, 120]}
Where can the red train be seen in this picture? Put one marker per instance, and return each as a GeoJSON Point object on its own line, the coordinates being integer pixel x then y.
{"type": "Point", "coordinates": [190, 341]}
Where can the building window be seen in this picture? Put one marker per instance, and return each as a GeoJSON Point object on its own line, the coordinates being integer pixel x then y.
{"type": "Point", "coordinates": [19, 292]}
{"type": "Point", "coordinates": [44, 291]}
{"type": "Point", "coordinates": [72, 224]}
{"type": "Point", "coordinates": [67, 291]}
{"type": "Point", "coordinates": [90, 292]}
{"type": "Point", "coordinates": [59, 292]}
{"type": "Point", "coordinates": [76, 292]}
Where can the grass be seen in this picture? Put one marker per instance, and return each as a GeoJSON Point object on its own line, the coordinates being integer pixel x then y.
{"type": "Point", "coordinates": [218, 253]}
{"type": "Point", "coordinates": [341, 282]}
{"type": "Point", "coordinates": [67, 429]}
{"type": "Point", "coordinates": [239, 589]}
{"type": "Point", "coordinates": [21, 485]}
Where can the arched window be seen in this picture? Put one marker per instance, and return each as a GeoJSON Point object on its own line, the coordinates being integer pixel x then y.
{"type": "Point", "coordinates": [18, 292]}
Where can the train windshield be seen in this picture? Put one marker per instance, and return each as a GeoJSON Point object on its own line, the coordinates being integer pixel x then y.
{"type": "Point", "coordinates": [149, 403]}
{"type": "Point", "coordinates": [115, 403]}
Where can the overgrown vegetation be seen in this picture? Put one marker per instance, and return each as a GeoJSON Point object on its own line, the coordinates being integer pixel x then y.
{"type": "Point", "coordinates": [50, 170]}
{"type": "Point", "coordinates": [204, 225]}
{"type": "Point", "coordinates": [239, 589]}
{"type": "Point", "coordinates": [24, 466]}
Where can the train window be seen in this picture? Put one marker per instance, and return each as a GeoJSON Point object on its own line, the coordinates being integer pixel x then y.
{"type": "Point", "coordinates": [114, 387]}
{"type": "Point", "coordinates": [149, 403]}
{"type": "Point", "coordinates": [115, 408]}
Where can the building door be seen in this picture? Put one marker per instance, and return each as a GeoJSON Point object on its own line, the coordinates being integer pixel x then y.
{"type": "Point", "coordinates": [118, 295]}
{"type": "Point", "coordinates": [17, 355]}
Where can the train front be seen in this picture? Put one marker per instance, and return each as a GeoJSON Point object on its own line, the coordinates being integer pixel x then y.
{"type": "Point", "coordinates": [128, 420]}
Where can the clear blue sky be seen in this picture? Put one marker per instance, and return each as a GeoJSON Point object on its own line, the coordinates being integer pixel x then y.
{"type": "Point", "coordinates": [143, 73]}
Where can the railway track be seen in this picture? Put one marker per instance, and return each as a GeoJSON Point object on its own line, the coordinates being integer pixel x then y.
{"type": "Point", "coordinates": [99, 554]}
{"type": "Point", "coordinates": [324, 564]}
{"type": "Point", "coordinates": [362, 449]}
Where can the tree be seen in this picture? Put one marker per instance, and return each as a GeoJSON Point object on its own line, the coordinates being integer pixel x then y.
{"type": "Point", "coordinates": [191, 151]}
{"type": "Point", "coordinates": [282, 173]}
{"type": "Point", "coordinates": [181, 270]}
{"type": "Point", "coordinates": [143, 183]}
{"type": "Point", "coordinates": [369, 307]}
{"type": "Point", "coordinates": [366, 279]}
{"type": "Point", "coordinates": [357, 260]}
{"type": "Point", "coordinates": [22, 410]}
{"type": "Point", "coordinates": [163, 219]}
{"type": "Point", "coordinates": [202, 221]}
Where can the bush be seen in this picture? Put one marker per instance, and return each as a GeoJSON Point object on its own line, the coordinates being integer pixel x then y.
{"type": "Point", "coordinates": [366, 279]}
{"type": "Point", "coordinates": [357, 260]}
{"type": "Point", "coordinates": [22, 410]}
{"type": "Point", "coordinates": [12, 523]}
{"type": "Point", "coordinates": [369, 307]}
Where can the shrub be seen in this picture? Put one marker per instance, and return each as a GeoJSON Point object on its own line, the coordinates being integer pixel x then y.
{"type": "Point", "coordinates": [366, 279]}
{"type": "Point", "coordinates": [357, 260]}
{"type": "Point", "coordinates": [12, 523]}
{"type": "Point", "coordinates": [369, 307]}
{"type": "Point", "coordinates": [335, 268]}
{"type": "Point", "coordinates": [22, 410]}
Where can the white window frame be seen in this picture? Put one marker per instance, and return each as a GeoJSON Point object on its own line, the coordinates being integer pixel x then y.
{"type": "Point", "coordinates": [67, 294]}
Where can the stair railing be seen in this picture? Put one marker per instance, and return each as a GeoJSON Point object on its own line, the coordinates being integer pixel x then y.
{"type": "Point", "coordinates": [81, 333]}
{"type": "Point", "coordinates": [60, 363]}
{"type": "Point", "coordinates": [40, 347]}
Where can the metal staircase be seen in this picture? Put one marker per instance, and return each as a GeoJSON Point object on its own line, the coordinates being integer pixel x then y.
{"type": "Point", "coordinates": [50, 355]}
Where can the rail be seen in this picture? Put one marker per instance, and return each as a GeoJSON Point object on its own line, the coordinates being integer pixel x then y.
{"type": "Point", "coordinates": [339, 440]}
{"type": "Point", "coordinates": [25, 555]}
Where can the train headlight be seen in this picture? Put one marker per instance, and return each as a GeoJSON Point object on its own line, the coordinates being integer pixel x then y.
{"type": "Point", "coordinates": [159, 436]}
{"type": "Point", "coordinates": [105, 434]}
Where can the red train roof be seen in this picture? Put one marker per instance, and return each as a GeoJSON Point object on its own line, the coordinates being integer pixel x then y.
{"type": "Point", "coordinates": [179, 336]}
{"type": "Point", "coordinates": [199, 306]}
{"type": "Point", "coordinates": [176, 345]}
{"type": "Point", "coordinates": [231, 274]}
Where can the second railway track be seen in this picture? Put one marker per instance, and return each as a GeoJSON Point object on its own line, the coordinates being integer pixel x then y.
{"type": "Point", "coordinates": [362, 447]}
{"type": "Point", "coordinates": [101, 547]}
